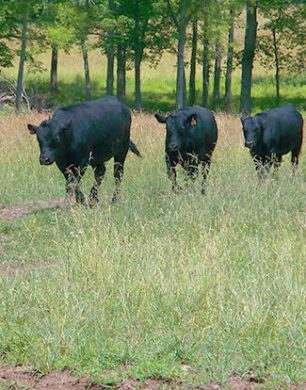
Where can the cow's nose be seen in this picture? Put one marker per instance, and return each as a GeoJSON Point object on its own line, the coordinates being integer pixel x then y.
{"type": "Point", "coordinates": [44, 161]}
{"type": "Point", "coordinates": [173, 147]}
{"type": "Point", "coordinates": [248, 144]}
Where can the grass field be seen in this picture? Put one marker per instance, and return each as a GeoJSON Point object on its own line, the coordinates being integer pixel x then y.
{"type": "Point", "coordinates": [187, 288]}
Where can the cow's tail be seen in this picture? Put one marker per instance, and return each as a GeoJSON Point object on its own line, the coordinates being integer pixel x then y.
{"type": "Point", "coordinates": [134, 149]}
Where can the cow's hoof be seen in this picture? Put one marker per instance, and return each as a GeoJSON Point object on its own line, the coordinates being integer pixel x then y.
{"type": "Point", "coordinates": [93, 202]}
{"type": "Point", "coordinates": [114, 199]}
{"type": "Point", "coordinates": [177, 189]}
{"type": "Point", "coordinates": [81, 200]}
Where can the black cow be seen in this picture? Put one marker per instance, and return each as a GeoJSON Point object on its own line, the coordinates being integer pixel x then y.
{"type": "Point", "coordinates": [271, 134]}
{"type": "Point", "coordinates": [191, 138]}
{"type": "Point", "coordinates": [86, 134]}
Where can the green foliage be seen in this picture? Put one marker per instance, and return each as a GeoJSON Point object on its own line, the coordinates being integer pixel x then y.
{"type": "Point", "coordinates": [146, 29]}
{"type": "Point", "coordinates": [6, 56]}
{"type": "Point", "coordinates": [287, 19]}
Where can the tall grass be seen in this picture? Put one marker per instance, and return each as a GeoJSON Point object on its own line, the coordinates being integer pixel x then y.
{"type": "Point", "coordinates": [216, 282]}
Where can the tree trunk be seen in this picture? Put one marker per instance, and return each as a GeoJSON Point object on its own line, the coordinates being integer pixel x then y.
{"type": "Point", "coordinates": [22, 61]}
{"type": "Point", "coordinates": [205, 69]}
{"type": "Point", "coordinates": [110, 58]}
{"type": "Point", "coordinates": [180, 80]}
{"type": "Point", "coordinates": [217, 74]}
{"type": "Point", "coordinates": [137, 58]}
{"type": "Point", "coordinates": [193, 63]}
{"type": "Point", "coordinates": [276, 59]}
{"type": "Point", "coordinates": [110, 70]}
{"type": "Point", "coordinates": [185, 88]}
{"type": "Point", "coordinates": [121, 73]}
{"type": "Point", "coordinates": [54, 66]}
{"type": "Point", "coordinates": [248, 58]}
{"type": "Point", "coordinates": [229, 64]}
{"type": "Point", "coordinates": [86, 69]}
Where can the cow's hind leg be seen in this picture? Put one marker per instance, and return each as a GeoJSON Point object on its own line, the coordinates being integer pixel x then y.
{"type": "Point", "coordinates": [295, 158]}
{"type": "Point", "coordinates": [118, 173]}
{"type": "Point", "coordinates": [99, 174]}
{"type": "Point", "coordinates": [73, 176]}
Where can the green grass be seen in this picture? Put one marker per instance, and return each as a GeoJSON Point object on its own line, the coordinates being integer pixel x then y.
{"type": "Point", "coordinates": [158, 84]}
{"type": "Point", "coordinates": [216, 282]}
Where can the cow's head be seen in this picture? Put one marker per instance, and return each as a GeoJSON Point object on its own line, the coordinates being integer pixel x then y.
{"type": "Point", "coordinates": [49, 136]}
{"type": "Point", "coordinates": [177, 126]}
{"type": "Point", "coordinates": [252, 128]}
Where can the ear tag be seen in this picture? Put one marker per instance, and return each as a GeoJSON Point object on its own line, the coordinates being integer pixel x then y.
{"type": "Point", "coordinates": [193, 122]}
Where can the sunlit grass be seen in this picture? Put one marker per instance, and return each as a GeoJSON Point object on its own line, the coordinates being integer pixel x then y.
{"type": "Point", "coordinates": [158, 83]}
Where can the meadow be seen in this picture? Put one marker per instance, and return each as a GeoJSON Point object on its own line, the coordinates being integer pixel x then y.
{"type": "Point", "coordinates": [184, 288]}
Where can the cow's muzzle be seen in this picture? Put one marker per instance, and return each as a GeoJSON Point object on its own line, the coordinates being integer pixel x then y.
{"type": "Point", "coordinates": [44, 161]}
{"type": "Point", "coordinates": [249, 144]}
{"type": "Point", "coordinates": [173, 148]}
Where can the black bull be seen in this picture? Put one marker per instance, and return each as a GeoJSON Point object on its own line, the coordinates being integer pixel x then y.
{"type": "Point", "coordinates": [86, 134]}
{"type": "Point", "coordinates": [192, 135]}
{"type": "Point", "coordinates": [271, 134]}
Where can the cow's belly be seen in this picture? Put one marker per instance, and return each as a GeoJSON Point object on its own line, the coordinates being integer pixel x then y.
{"type": "Point", "coordinates": [101, 154]}
{"type": "Point", "coordinates": [280, 150]}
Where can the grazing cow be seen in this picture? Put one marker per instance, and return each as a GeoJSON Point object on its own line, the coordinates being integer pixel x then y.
{"type": "Point", "coordinates": [86, 134]}
{"type": "Point", "coordinates": [271, 134]}
{"type": "Point", "coordinates": [191, 138]}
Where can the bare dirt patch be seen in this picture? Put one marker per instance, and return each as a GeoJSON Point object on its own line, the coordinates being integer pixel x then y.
{"type": "Point", "coordinates": [18, 378]}
{"type": "Point", "coordinates": [11, 269]}
{"type": "Point", "coordinates": [9, 213]}
{"type": "Point", "coordinates": [162, 385]}
{"type": "Point", "coordinates": [233, 383]}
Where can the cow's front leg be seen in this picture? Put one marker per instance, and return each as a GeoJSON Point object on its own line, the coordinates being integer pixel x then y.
{"type": "Point", "coordinates": [99, 174]}
{"type": "Point", "coordinates": [73, 176]}
{"type": "Point", "coordinates": [191, 169]}
{"type": "Point", "coordinates": [266, 166]}
{"type": "Point", "coordinates": [262, 165]}
{"type": "Point", "coordinates": [171, 172]}
{"type": "Point", "coordinates": [276, 164]}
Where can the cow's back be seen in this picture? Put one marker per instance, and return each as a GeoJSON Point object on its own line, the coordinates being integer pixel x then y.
{"type": "Point", "coordinates": [102, 121]}
{"type": "Point", "coordinates": [283, 128]}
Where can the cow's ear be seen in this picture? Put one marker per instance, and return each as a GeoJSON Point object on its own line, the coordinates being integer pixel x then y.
{"type": "Point", "coordinates": [160, 118]}
{"type": "Point", "coordinates": [259, 123]}
{"type": "Point", "coordinates": [32, 128]}
{"type": "Point", "coordinates": [244, 116]}
{"type": "Point", "coordinates": [192, 120]}
{"type": "Point", "coordinates": [65, 124]}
